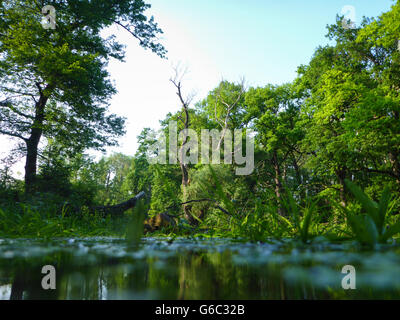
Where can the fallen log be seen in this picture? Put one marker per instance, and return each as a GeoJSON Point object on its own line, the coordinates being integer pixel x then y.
{"type": "Point", "coordinates": [152, 224]}
{"type": "Point", "coordinates": [158, 222]}
{"type": "Point", "coordinates": [120, 208]}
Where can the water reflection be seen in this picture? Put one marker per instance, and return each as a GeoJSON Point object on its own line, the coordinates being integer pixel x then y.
{"type": "Point", "coordinates": [5, 291]}
{"type": "Point", "coordinates": [107, 269]}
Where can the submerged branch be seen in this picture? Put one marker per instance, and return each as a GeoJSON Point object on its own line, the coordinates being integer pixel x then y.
{"type": "Point", "coordinates": [199, 200]}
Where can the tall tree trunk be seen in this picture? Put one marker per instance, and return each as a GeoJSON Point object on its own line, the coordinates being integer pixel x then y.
{"type": "Point", "coordinates": [394, 156]}
{"type": "Point", "coordinates": [187, 208]}
{"type": "Point", "coordinates": [394, 160]}
{"type": "Point", "coordinates": [341, 175]}
{"type": "Point", "coordinates": [18, 287]}
{"type": "Point", "coordinates": [32, 144]}
{"type": "Point", "coordinates": [31, 164]}
{"type": "Point", "coordinates": [184, 167]}
{"type": "Point", "coordinates": [277, 180]}
{"type": "Point", "coordinates": [185, 184]}
{"type": "Point", "coordinates": [299, 178]}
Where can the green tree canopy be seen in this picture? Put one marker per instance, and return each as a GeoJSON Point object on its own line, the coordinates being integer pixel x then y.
{"type": "Point", "coordinates": [54, 83]}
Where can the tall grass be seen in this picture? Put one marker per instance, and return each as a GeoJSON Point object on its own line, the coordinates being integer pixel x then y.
{"type": "Point", "coordinates": [264, 221]}
{"type": "Point", "coordinates": [370, 224]}
{"type": "Point", "coordinates": [24, 221]}
{"type": "Point", "coordinates": [303, 222]}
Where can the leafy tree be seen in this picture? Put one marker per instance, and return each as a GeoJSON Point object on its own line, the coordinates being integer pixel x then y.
{"type": "Point", "coordinates": [351, 104]}
{"type": "Point", "coordinates": [165, 188]}
{"type": "Point", "coordinates": [225, 105]}
{"type": "Point", "coordinates": [141, 174]}
{"type": "Point", "coordinates": [54, 83]}
{"type": "Point", "coordinates": [275, 110]}
{"type": "Point", "coordinates": [114, 171]}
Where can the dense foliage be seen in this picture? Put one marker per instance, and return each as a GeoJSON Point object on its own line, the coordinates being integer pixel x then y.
{"type": "Point", "coordinates": [54, 83]}
{"type": "Point", "coordinates": [336, 126]}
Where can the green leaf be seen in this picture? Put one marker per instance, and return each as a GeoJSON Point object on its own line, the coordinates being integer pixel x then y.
{"type": "Point", "coordinates": [390, 232]}
{"type": "Point", "coordinates": [371, 207]}
{"type": "Point", "coordinates": [371, 233]}
{"type": "Point", "coordinates": [383, 209]}
{"type": "Point", "coordinates": [307, 222]}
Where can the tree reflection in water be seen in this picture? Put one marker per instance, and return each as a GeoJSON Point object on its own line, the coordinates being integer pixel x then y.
{"type": "Point", "coordinates": [112, 271]}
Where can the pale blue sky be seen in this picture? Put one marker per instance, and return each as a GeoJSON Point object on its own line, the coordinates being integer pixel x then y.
{"type": "Point", "coordinates": [263, 41]}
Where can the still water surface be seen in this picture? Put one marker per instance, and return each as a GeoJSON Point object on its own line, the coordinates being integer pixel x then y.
{"type": "Point", "coordinates": [107, 268]}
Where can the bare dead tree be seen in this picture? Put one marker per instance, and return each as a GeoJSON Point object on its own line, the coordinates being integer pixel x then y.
{"type": "Point", "coordinates": [185, 118]}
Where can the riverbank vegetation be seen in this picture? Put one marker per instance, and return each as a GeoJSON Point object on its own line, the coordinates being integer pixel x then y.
{"type": "Point", "coordinates": [326, 158]}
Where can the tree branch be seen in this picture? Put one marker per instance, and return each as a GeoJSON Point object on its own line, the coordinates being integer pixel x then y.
{"type": "Point", "coordinates": [12, 134]}
{"type": "Point", "coordinates": [197, 201]}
